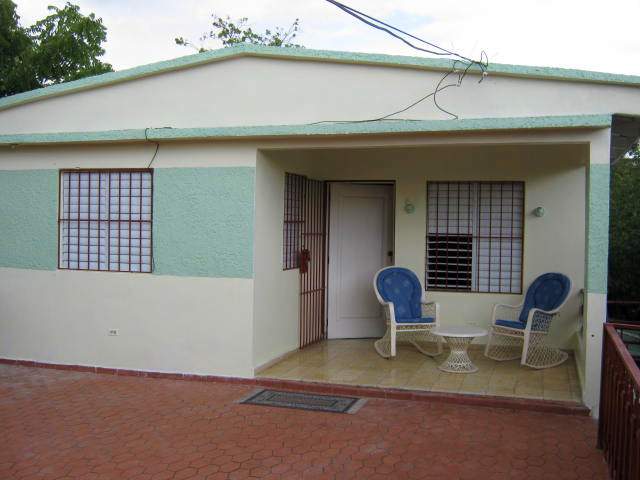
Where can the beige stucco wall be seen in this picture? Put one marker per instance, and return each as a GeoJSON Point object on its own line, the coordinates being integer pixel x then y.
{"type": "Point", "coordinates": [167, 323]}
{"type": "Point", "coordinates": [276, 326]}
{"type": "Point", "coordinates": [139, 155]}
{"type": "Point", "coordinates": [260, 91]}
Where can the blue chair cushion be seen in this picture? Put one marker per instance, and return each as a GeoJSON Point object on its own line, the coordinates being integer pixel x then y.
{"type": "Point", "coordinates": [547, 292]}
{"type": "Point", "coordinates": [511, 324]}
{"type": "Point", "coordinates": [401, 287]}
{"type": "Point", "coordinates": [417, 320]}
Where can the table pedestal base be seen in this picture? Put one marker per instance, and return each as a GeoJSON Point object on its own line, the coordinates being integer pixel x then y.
{"type": "Point", "coordinates": [458, 360]}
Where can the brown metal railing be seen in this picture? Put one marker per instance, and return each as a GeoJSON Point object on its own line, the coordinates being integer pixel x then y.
{"type": "Point", "coordinates": [619, 422]}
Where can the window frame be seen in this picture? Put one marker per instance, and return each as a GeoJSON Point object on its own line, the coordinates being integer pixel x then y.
{"type": "Point", "coordinates": [476, 236]}
{"type": "Point", "coordinates": [61, 173]}
{"type": "Point", "coordinates": [292, 244]}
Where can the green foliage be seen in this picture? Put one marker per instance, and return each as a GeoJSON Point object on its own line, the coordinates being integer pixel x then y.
{"type": "Point", "coordinates": [233, 32]}
{"type": "Point", "coordinates": [68, 45]}
{"type": "Point", "coordinates": [14, 45]}
{"type": "Point", "coordinates": [624, 247]}
{"type": "Point", "coordinates": [63, 46]}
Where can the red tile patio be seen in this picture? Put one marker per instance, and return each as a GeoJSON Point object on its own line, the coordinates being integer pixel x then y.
{"type": "Point", "coordinates": [61, 425]}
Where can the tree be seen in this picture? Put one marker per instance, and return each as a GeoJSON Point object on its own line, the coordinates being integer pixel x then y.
{"type": "Point", "coordinates": [15, 43]}
{"type": "Point", "coordinates": [63, 46]}
{"type": "Point", "coordinates": [233, 32]}
{"type": "Point", "coordinates": [624, 243]}
{"type": "Point", "coordinates": [68, 45]}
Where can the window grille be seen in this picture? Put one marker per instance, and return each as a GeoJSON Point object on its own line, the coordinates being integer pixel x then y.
{"type": "Point", "coordinates": [105, 220]}
{"type": "Point", "coordinates": [475, 236]}
{"type": "Point", "coordinates": [293, 219]}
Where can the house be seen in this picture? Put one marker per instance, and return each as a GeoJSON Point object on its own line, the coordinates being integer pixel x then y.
{"type": "Point", "coordinates": [153, 219]}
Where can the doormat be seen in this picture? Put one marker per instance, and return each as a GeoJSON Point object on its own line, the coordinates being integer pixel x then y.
{"type": "Point", "coordinates": [304, 401]}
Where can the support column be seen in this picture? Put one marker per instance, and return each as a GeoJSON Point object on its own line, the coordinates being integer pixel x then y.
{"type": "Point", "coordinates": [596, 266]}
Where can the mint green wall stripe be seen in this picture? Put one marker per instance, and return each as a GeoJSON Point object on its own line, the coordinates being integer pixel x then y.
{"type": "Point", "coordinates": [203, 221]}
{"type": "Point", "coordinates": [190, 61]}
{"type": "Point", "coordinates": [318, 130]}
{"type": "Point", "coordinates": [598, 179]}
{"type": "Point", "coordinates": [28, 219]}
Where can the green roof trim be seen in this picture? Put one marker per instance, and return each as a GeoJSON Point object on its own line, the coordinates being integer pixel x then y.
{"type": "Point", "coordinates": [313, 130]}
{"type": "Point", "coordinates": [312, 55]}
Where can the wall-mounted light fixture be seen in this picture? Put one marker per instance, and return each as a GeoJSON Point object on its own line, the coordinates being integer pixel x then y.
{"type": "Point", "coordinates": [409, 207]}
{"type": "Point", "coordinates": [539, 211]}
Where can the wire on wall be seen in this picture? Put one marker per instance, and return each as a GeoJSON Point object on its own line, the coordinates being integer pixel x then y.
{"type": "Point", "coordinates": [155, 153]}
{"type": "Point", "coordinates": [460, 65]}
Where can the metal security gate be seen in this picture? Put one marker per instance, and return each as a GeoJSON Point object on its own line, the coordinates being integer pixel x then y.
{"type": "Point", "coordinates": [312, 263]}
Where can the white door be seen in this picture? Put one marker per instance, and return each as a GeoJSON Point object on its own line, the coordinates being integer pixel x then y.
{"type": "Point", "coordinates": [360, 243]}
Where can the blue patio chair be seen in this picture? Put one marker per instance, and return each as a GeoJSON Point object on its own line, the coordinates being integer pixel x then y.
{"type": "Point", "coordinates": [525, 326]}
{"type": "Point", "coordinates": [408, 315]}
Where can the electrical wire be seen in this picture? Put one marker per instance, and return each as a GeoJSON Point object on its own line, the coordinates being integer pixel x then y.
{"type": "Point", "coordinates": [380, 25]}
{"type": "Point", "coordinates": [388, 115]}
{"type": "Point", "coordinates": [460, 65]}
{"type": "Point", "coordinates": [155, 154]}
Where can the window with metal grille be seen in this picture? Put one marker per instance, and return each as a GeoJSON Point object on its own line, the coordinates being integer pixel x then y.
{"type": "Point", "coordinates": [105, 220]}
{"type": "Point", "coordinates": [475, 236]}
{"type": "Point", "coordinates": [293, 219]}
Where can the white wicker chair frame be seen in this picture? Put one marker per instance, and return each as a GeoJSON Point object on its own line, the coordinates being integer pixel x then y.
{"type": "Point", "coordinates": [417, 334]}
{"type": "Point", "coordinates": [528, 344]}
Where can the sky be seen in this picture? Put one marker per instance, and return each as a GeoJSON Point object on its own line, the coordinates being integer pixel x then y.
{"type": "Point", "coordinates": [585, 34]}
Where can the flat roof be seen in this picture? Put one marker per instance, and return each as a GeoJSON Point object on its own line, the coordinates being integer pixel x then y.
{"type": "Point", "coordinates": [385, 127]}
{"type": "Point", "coordinates": [304, 54]}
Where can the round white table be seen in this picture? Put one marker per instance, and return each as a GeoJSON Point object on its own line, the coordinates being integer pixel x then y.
{"type": "Point", "coordinates": [458, 339]}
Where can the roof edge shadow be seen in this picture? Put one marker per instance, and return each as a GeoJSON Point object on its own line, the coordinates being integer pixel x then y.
{"type": "Point", "coordinates": [313, 130]}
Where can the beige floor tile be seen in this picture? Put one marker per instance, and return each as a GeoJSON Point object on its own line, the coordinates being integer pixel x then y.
{"type": "Point", "coordinates": [576, 395]}
{"type": "Point", "coordinates": [528, 391]}
{"type": "Point", "coordinates": [365, 361]}
{"type": "Point", "coordinates": [474, 384]}
{"type": "Point", "coordinates": [395, 379]}
{"type": "Point", "coordinates": [531, 375]}
{"type": "Point", "coordinates": [448, 382]}
{"type": "Point", "coordinates": [419, 382]}
{"type": "Point", "coordinates": [370, 378]}
{"type": "Point", "coordinates": [507, 381]}
{"type": "Point", "coordinates": [475, 379]}
{"type": "Point", "coordinates": [529, 388]}
{"type": "Point", "coordinates": [557, 394]}
{"type": "Point", "coordinates": [556, 373]}
{"type": "Point", "coordinates": [501, 391]}
{"type": "Point", "coordinates": [308, 372]}
{"type": "Point", "coordinates": [507, 369]}
{"type": "Point", "coordinates": [355, 362]}
{"type": "Point", "coordinates": [473, 389]}
{"type": "Point", "coordinates": [557, 387]}
{"type": "Point", "coordinates": [484, 373]}
{"type": "Point", "coordinates": [344, 374]}
{"type": "Point", "coordinates": [278, 369]}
